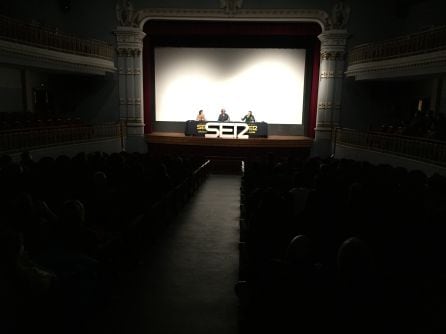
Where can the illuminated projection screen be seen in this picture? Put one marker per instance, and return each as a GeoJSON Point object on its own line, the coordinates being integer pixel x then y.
{"type": "Point", "coordinates": [270, 82]}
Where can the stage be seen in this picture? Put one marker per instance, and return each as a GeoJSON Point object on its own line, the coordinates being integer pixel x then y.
{"type": "Point", "coordinates": [214, 148]}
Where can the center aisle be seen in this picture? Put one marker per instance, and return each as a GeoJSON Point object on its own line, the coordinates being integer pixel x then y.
{"type": "Point", "coordinates": [189, 286]}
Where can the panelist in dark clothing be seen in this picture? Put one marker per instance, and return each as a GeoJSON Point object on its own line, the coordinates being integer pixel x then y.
{"type": "Point", "coordinates": [223, 117]}
{"type": "Point", "coordinates": [249, 117]}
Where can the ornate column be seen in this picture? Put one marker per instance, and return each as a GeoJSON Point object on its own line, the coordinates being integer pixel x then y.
{"type": "Point", "coordinates": [129, 42]}
{"type": "Point", "coordinates": [333, 47]}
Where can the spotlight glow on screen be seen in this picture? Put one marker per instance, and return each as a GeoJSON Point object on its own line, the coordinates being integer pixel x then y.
{"type": "Point", "coordinates": [269, 82]}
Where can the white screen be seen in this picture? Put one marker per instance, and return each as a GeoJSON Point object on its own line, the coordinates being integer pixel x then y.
{"type": "Point", "coordinates": [269, 82]}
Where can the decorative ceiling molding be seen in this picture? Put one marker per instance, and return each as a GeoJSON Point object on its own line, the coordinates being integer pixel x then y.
{"type": "Point", "coordinates": [231, 6]}
{"type": "Point", "coordinates": [292, 15]}
{"type": "Point", "coordinates": [30, 56]}
{"type": "Point", "coordinates": [340, 15]}
{"type": "Point", "coordinates": [125, 14]}
{"type": "Point", "coordinates": [428, 63]}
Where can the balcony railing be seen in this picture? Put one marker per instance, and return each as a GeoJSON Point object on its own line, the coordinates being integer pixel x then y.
{"type": "Point", "coordinates": [421, 149]}
{"type": "Point", "coordinates": [32, 138]}
{"type": "Point", "coordinates": [430, 40]}
{"type": "Point", "coordinates": [52, 39]}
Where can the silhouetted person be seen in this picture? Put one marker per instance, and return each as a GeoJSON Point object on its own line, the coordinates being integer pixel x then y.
{"type": "Point", "coordinates": [223, 117]}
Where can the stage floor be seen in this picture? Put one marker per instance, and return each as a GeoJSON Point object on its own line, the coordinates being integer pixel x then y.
{"type": "Point", "coordinates": [271, 141]}
{"type": "Point", "coordinates": [175, 142]}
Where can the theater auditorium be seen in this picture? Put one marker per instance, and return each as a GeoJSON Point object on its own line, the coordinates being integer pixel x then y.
{"type": "Point", "coordinates": [222, 166]}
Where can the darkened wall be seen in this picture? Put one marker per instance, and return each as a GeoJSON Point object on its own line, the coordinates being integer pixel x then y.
{"type": "Point", "coordinates": [11, 90]}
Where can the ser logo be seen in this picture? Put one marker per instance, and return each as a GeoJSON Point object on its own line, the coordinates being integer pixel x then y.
{"type": "Point", "coordinates": [252, 129]}
{"type": "Point", "coordinates": [201, 128]}
{"type": "Point", "coordinates": [227, 130]}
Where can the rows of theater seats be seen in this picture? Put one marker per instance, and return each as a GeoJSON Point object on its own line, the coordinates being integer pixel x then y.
{"type": "Point", "coordinates": [72, 229]}
{"type": "Point", "coordinates": [26, 120]}
{"type": "Point", "coordinates": [331, 245]}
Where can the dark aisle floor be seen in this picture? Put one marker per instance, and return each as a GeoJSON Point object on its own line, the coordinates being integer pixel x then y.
{"type": "Point", "coordinates": [189, 283]}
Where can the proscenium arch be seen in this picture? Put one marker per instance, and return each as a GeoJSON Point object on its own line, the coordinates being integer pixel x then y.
{"type": "Point", "coordinates": [294, 16]}
{"type": "Point", "coordinates": [248, 15]}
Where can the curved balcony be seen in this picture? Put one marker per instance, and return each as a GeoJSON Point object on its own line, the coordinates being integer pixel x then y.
{"type": "Point", "coordinates": [17, 140]}
{"type": "Point", "coordinates": [426, 41]}
{"type": "Point", "coordinates": [416, 148]}
{"type": "Point", "coordinates": [29, 44]}
{"type": "Point", "coordinates": [52, 39]}
{"type": "Point", "coordinates": [414, 54]}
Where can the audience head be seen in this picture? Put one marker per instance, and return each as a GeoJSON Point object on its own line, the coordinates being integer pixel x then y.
{"type": "Point", "coordinates": [417, 178]}
{"type": "Point", "coordinates": [100, 179]}
{"type": "Point", "coordinates": [11, 248]}
{"type": "Point", "coordinates": [354, 259]}
{"type": "Point", "coordinates": [73, 214]}
{"type": "Point", "coordinates": [26, 157]}
{"type": "Point", "coordinates": [355, 194]}
{"type": "Point", "coordinates": [12, 170]}
{"type": "Point", "coordinates": [5, 160]}
{"type": "Point", "coordinates": [299, 249]}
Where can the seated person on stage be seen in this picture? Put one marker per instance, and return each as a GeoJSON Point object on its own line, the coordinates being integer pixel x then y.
{"type": "Point", "coordinates": [200, 116]}
{"type": "Point", "coordinates": [223, 117]}
{"type": "Point", "coordinates": [249, 117]}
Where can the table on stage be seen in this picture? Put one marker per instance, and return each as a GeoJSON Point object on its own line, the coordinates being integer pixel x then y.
{"type": "Point", "coordinates": [255, 130]}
